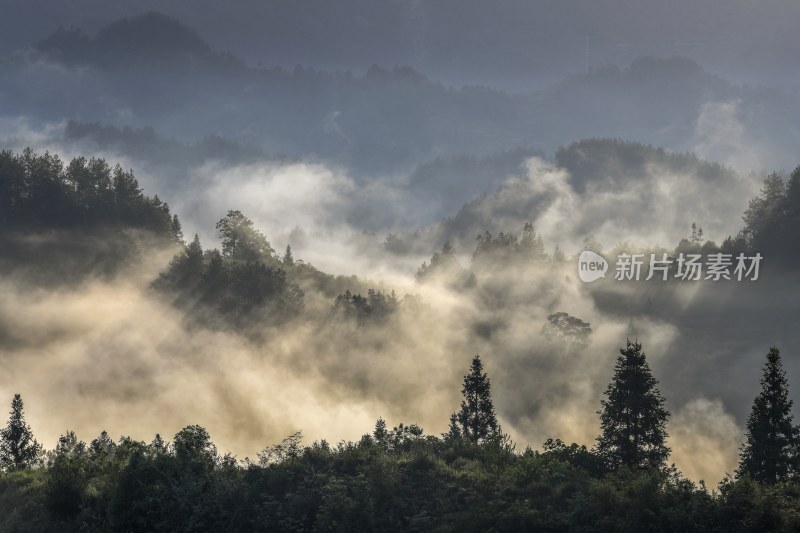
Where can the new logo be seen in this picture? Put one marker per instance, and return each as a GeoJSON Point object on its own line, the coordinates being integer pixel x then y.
{"type": "Point", "coordinates": [591, 266]}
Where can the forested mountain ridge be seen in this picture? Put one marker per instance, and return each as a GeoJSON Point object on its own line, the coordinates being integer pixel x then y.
{"type": "Point", "coordinates": [87, 199]}
{"type": "Point", "coordinates": [62, 223]}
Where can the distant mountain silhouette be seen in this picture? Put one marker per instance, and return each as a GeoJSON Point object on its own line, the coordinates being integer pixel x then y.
{"type": "Point", "coordinates": [507, 43]}
{"type": "Point", "coordinates": [151, 40]}
{"type": "Point", "coordinates": [154, 70]}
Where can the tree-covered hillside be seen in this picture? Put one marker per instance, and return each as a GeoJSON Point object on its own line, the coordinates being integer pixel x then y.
{"type": "Point", "coordinates": [61, 223]}
{"type": "Point", "coordinates": [471, 478]}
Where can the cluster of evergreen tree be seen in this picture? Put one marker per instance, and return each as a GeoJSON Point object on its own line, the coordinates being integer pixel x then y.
{"type": "Point", "coordinates": [772, 220]}
{"type": "Point", "coordinates": [66, 222]}
{"type": "Point", "coordinates": [245, 283]}
{"type": "Point", "coordinates": [771, 225]}
{"type": "Point", "coordinates": [566, 331]}
{"type": "Point", "coordinates": [40, 192]}
{"type": "Point", "coordinates": [376, 306]}
{"type": "Point", "coordinates": [400, 479]}
{"type": "Point", "coordinates": [507, 248]}
{"type": "Point", "coordinates": [621, 163]}
{"type": "Point", "coordinates": [445, 267]}
{"type": "Point", "coordinates": [248, 285]}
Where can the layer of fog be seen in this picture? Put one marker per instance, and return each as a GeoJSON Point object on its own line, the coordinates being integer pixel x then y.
{"type": "Point", "coordinates": [339, 222]}
{"type": "Point", "coordinates": [112, 356]}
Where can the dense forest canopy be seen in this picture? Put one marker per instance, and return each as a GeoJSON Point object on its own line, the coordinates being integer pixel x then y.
{"type": "Point", "coordinates": [40, 192]}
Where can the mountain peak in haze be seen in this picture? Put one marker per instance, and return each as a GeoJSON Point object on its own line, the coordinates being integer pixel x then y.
{"type": "Point", "coordinates": [152, 40]}
{"type": "Point", "coordinates": [149, 34]}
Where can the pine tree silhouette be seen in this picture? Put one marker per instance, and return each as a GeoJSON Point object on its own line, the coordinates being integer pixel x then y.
{"type": "Point", "coordinates": [18, 448]}
{"type": "Point", "coordinates": [633, 418]}
{"type": "Point", "coordinates": [477, 419]}
{"type": "Point", "coordinates": [771, 440]}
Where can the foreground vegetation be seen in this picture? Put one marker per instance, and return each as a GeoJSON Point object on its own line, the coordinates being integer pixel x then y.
{"type": "Point", "coordinates": [468, 479]}
{"type": "Point", "coordinates": [406, 482]}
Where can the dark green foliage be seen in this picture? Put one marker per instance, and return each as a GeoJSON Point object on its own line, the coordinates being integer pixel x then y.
{"type": "Point", "coordinates": [248, 286]}
{"type": "Point", "coordinates": [746, 505]}
{"type": "Point", "coordinates": [245, 285]}
{"type": "Point", "coordinates": [177, 230]}
{"type": "Point", "coordinates": [193, 448]}
{"type": "Point", "coordinates": [38, 192]}
{"type": "Point", "coordinates": [762, 211]}
{"type": "Point", "coordinates": [507, 249]}
{"type": "Point", "coordinates": [576, 455]}
{"type": "Point", "coordinates": [502, 247]}
{"type": "Point", "coordinates": [454, 433]}
{"type": "Point", "coordinates": [175, 489]}
{"type": "Point", "coordinates": [442, 263]}
{"type": "Point", "coordinates": [633, 418]}
{"type": "Point", "coordinates": [444, 267]}
{"type": "Point", "coordinates": [67, 477]}
{"type": "Point", "coordinates": [477, 422]}
{"type": "Point", "coordinates": [186, 269]}
{"type": "Point", "coordinates": [256, 286]}
{"type": "Point", "coordinates": [768, 454]}
{"type": "Point", "coordinates": [617, 163]}
{"type": "Point", "coordinates": [772, 220]}
{"type": "Point", "coordinates": [375, 307]}
{"type": "Point", "coordinates": [288, 258]}
{"type": "Point", "coordinates": [241, 240]}
{"type": "Point", "coordinates": [18, 449]}
{"type": "Point", "coordinates": [289, 448]}
{"type": "Point", "coordinates": [60, 224]}
{"type": "Point", "coordinates": [567, 331]}
{"type": "Point", "coordinates": [394, 480]}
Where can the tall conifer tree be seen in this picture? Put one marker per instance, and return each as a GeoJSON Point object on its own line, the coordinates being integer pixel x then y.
{"type": "Point", "coordinates": [18, 448]}
{"type": "Point", "coordinates": [477, 419]}
{"type": "Point", "coordinates": [633, 417]}
{"type": "Point", "coordinates": [771, 440]}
